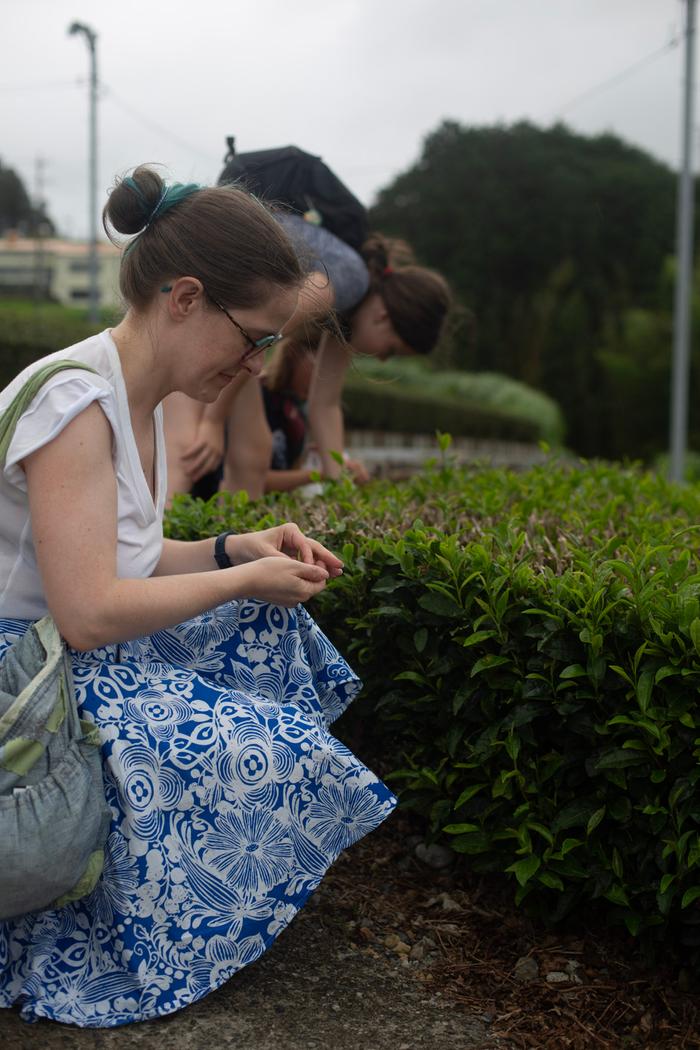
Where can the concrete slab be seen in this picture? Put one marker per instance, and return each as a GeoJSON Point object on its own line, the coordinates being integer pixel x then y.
{"type": "Point", "coordinates": [310, 991]}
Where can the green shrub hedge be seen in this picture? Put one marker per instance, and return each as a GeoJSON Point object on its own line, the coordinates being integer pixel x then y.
{"type": "Point", "coordinates": [29, 331]}
{"type": "Point", "coordinates": [413, 394]}
{"type": "Point", "coordinates": [379, 406]}
{"type": "Point", "coordinates": [530, 646]}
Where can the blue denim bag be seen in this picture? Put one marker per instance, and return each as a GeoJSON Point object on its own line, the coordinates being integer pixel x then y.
{"type": "Point", "coordinates": [53, 816]}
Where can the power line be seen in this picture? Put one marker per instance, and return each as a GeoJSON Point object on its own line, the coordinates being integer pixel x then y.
{"type": "Point", "coordinates": [619, 77]}
{"type": "Point", "coordinates": [47, 85]}
{"type": "Point", "coordinates": [110, 95]}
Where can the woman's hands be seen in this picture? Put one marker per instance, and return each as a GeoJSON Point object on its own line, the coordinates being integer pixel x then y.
{"type": "Point", "coordinates": [283, 541]}
{"type": "Point", "coordinates": [206, 451]}
{"type": "Point", "coordinates": [281, 580]}
{"type": "Point", "coordinates": [281, 565]}
{"type": "Point", "coordinates": [360, 474]}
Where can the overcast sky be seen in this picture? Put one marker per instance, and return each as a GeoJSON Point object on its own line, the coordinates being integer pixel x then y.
{"type": "Point", "coordinates": [358, 81]}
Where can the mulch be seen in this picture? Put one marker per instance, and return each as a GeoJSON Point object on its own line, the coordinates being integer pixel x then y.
{"type": "Point", "coordinates": [460, 934]}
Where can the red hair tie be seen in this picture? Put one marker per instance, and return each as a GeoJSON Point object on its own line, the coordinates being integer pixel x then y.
{"type": "Point", "coordinates": [387, 270]}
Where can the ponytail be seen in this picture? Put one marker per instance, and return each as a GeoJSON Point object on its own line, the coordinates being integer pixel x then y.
{"type": "Point", "coordinates": [416, 299]}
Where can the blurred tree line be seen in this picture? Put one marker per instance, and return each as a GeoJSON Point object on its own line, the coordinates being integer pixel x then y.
{"type": "Point", "coordinates": [559, 248]}
{"type": "Point", "coordinates": [17, 212]}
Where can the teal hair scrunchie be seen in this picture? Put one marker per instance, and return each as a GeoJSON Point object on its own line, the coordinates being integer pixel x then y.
{"type": "Point", "coordinates": [170, 196]}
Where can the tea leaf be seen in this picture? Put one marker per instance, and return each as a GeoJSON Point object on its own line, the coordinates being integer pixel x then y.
{"type": "Point", "coordinates": [524, 869]}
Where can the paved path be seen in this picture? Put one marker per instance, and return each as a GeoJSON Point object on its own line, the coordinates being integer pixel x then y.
{"type": "Point", "coordinates": [310, 991]}
{"type": "Point", "coordinates": [400, 455]}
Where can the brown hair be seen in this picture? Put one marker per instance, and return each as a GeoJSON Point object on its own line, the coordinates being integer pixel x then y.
{"type": "Point", "coordinates": [417, 299]}
{"type": "Point", "coordinates": [279, 370]}
{"type": "Point", "coordinates": [222, 236]}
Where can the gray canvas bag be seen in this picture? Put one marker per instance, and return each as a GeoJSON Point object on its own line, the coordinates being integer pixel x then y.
{"type": "Point", "coordinates": [53, 816]}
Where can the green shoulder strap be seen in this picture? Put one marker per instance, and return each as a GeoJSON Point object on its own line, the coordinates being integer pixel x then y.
{"type": "Point", "coordinates": [24, 397]}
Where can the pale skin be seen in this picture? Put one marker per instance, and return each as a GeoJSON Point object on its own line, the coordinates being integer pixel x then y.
{"type": "Point", "coordinates": [299, 378]}
{"type": "Point", "coordinates": [372, 333]}
{"type": "Point", "coordinates": [195, 434]}
{"type": "Point", "coordinates": [247, 455]}
{"type": "Point", "coordinates": [297, 383]}
{"type": "Point", "coordinates": [179, 343]}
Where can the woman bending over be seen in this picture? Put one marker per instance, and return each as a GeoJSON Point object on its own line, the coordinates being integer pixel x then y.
{"type": "Point", "coordinates": [387, 306]}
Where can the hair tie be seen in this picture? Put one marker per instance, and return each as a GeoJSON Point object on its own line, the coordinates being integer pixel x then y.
{"type": "Point", "coordinates": [387, 271]}
{"type": "Point", "coordinates": [169, 197]}
{"type": "Point", "coordinates": [156, 209]}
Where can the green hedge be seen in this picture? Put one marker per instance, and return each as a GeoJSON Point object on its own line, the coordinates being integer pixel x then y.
{"type": "Point", "coordinates": [29, 331]}
{"type": "Point", "coordinates": [414, 394]}
{"type": "Point", "coordinates": [378, 407]}
{"type": "Point", "coordinates": [530, 646]}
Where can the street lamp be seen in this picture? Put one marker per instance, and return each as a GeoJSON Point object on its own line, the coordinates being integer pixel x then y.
{"type": "Point", "coordinates": [684, 270]}
{"type": "Point", "coordinates": [94, 294]}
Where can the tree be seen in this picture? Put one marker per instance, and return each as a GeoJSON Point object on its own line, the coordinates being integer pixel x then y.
{"type": "Point", "coordinates": [548, 237]}
{"type": "Point", "coordinates": [16, 209]}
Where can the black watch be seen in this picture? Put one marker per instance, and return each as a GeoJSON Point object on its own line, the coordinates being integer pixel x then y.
{"type": "Point", "coordinates": [220, 556]}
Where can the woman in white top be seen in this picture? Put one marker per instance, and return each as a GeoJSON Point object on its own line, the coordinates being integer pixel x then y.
{"type": "Point", "coordinates": [229, 796]}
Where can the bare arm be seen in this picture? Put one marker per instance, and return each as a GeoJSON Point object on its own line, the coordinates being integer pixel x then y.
{"type": "Point", "coordinates": [181, 418]}
{"type": "Point", "coordinates": [287, 480]}
{"type": "Point", "coordinates": [325, 408]}
{"type": "Point", "coordinates": [249, 448]}
{"type": "Point", "coordinates": [204, 451]}
{"type": "Point", "coordinates": [284, 541]}
{"type": "Point", "coordinates": [73, 506]}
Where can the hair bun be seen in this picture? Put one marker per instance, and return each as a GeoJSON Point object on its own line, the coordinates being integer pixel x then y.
{"type": "Point", "coordinates": [382, 254]}
{"type": "Point", "coordinates": [132, 200]}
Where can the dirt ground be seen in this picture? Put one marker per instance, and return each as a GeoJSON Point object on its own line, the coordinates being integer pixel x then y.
{"type": "Point", "coordinates": [315, 989]}
{"type": "Point", "coordinates": [392, 954]}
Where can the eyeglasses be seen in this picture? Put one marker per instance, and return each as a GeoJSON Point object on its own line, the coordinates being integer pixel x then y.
{"type": "Point", "coordinates": [257, 346]}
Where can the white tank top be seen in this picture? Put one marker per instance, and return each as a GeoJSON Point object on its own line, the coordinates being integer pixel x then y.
{"type": "Point", "coordinates": [61, 399]}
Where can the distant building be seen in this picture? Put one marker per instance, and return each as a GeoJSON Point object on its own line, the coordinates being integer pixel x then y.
{"type": "Point", "coordinates": [57, 270]}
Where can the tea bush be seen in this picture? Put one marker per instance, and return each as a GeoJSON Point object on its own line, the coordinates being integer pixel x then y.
{"type": "Point", "coordinates": [421, 397]}
{"type": "Point", "coordinates": [379, 406]}
{"type": "Point", "coordinates": [29, 331]}
{"type": "Point", "coordinates": [530, 646]}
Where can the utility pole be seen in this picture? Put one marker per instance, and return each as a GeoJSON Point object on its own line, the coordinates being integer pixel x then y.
{"type": "Point", "coordinates": [684, 264]}
{"type": "Point", "coordinates": [93, 264]}
{"type": "Point", "coordinates": [40, 284]}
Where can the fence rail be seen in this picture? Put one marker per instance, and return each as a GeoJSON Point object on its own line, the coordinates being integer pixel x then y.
{"type": "Point", "coordinates": [396, 455]}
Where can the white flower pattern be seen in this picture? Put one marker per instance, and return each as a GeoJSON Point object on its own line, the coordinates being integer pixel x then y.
{"type": "Point", "coordinates": [251, 849]}
{"type": "Point", "coordinates": [230, 800]}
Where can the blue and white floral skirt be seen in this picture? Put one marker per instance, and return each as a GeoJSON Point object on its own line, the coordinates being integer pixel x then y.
{"type": "Point", "coordinates": [230, 799]}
